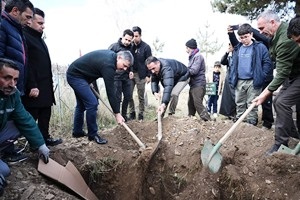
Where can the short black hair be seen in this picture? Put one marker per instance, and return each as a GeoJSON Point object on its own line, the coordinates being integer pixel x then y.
{"type": "Point", "coordinates": [137, 29]}
{"type": "Point", "coordinates": [22, 5]}
{"type": "Point", "coordinates": [8, 63]}
{"type": "Point", "coordinates": [39, 12]}
{"type": "Point", "coordinates": [244, 29]}
{"type": "Point", "coordinates": [294, 27]}
{"type": "Point", "coordinates": [128, 32]}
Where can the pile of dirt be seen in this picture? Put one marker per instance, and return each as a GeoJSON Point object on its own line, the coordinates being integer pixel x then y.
{"type": "Point", "coordinates": [119, 170]}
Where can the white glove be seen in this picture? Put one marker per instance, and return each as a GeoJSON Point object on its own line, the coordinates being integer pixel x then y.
{"type": "Point", "coordinates": [44, 153]}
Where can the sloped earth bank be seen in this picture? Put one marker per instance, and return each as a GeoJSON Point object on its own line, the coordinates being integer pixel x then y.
{"type": "Point", "coordinates": [119, 171]}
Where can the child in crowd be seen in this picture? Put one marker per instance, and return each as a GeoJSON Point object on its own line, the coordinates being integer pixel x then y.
{"type": "Point", "coordinates": [216, 77]}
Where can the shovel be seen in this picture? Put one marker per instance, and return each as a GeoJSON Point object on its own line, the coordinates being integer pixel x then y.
{"type": "Point", "coordinates": [209, 155]}
{"type": "Point", "coordinates": [284, 149]}
{"type": "Point", "coordinates": [142, 145]}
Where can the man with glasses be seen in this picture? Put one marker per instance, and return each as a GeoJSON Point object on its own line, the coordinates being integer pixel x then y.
{"type": "Point", "coordinates": [81, 73]}
{"type": "Point", "coordinates": [250, 65]}
{"type": "Point", "coordinates": [286, 54]}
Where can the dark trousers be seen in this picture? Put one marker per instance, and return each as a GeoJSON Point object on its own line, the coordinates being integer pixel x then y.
{"type": "Point", "coordinates": [267, 110]}
{"type": "Point", "coordinates": [212, 102]}
{"type": "Point", "coordinates": [8, 135]}
{"type": "Point", "coordinates": [288, 96]}
{"type": "Point", "coordinates": [123, 87]}
{"type": "Point", "coordinates": [42, 116]}
{"type": "Point", "coordinates": [195, 101]}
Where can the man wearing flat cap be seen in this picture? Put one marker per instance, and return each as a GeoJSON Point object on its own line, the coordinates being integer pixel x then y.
{"type": "Point", "coordinates": [197, 82]}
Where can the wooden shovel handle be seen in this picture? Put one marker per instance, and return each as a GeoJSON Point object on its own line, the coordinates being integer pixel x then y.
{"type": "Point", "coordinates": [125, 126]}
{"type": "Point", "coordinates": [228, 133]}
{"type": "Point", "coordinates": [159, 125]}
{"type": "Point", "coordinates": [134, 136]}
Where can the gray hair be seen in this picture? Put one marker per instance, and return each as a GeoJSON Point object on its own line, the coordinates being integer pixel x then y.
{"type": "Point", "coordinates": [269, 15]}
{"type": "Point", "coordinates": [126, 55]}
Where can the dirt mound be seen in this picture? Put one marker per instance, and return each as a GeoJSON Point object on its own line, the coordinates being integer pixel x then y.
{"type": "Point", "coordinates": [119, 171]}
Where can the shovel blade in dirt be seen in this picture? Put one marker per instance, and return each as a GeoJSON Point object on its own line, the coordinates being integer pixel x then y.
{"type": "Point", "coordinates": [285, 149]}
{"type": "Point", "coordinates": [210, 157]}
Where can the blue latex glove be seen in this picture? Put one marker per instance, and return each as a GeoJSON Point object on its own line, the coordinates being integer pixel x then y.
{"type": "Point", "coordinates": [44, 153]}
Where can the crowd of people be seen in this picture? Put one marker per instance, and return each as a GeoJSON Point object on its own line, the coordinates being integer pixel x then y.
{"type": "Point", "coordinates": [26, 85]}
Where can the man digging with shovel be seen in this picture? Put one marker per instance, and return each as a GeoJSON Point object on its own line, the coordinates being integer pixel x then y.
{"type": "Point", "coordinates": [173, 75]}
{"type": "Point", "coordinates": [286, 54]}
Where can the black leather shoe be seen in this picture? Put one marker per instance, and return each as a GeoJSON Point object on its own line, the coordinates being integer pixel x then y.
{"type": "Point", "coordinates": [132, 116]}
{"type": "Point", "coordinates": [141, 116]}
{"type": "Point", "coordinates": [98, 139]}
{"type": "Point", "coordinates": [53, 141]}
{"type": "Point", "coordinates": [79, 135]}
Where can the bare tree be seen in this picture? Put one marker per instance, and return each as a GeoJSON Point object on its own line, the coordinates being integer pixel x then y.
{"type": "Point", "coordinates": [157, 46]}
{"type": "Point", "coordinates": [123, 12]}
{"type": "Point", "coordinates": [208, 43]}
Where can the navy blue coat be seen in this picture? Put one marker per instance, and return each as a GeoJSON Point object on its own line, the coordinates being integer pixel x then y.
{"type": "Point", "coordinates": [261, 65]}
{"type": "Point", "coordinates": [12, 46]}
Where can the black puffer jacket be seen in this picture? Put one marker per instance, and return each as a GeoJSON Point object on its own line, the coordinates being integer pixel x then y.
{"type": "Point", "coordinates": [171, 72]}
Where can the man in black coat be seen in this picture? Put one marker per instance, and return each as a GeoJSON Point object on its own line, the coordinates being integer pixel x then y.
{"type": "Point", "coordinates": [122, 77]}
{"type": "Point", "coordinates": [173, 76]}
{"type": "Point", "coordinates": [141, 51]}
{"type": "Point", "coordinates": [39, 94]}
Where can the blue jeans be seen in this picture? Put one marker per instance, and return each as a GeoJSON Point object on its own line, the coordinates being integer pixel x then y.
{"type": "Point", "coordinates": [85, 101]}
{"type": "Point", "coordinates": [123, 86]}
{"type": "Point", "coordinates": [8, 135]}
{"type": "Point", "coordinates": [212, 102]}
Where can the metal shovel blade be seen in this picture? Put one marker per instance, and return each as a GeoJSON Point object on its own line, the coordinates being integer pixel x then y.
{"type": "Point", "coordinates": [285, 149]}
{"type": "Point", "coordinates": [210, 156]}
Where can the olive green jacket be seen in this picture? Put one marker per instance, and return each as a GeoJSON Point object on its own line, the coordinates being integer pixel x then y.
{"type": "Point", "coordinates": [286, 54]}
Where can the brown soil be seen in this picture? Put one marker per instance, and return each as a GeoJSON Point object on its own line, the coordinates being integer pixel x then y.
{"type": "Point", "coordinates": [119, 171]}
